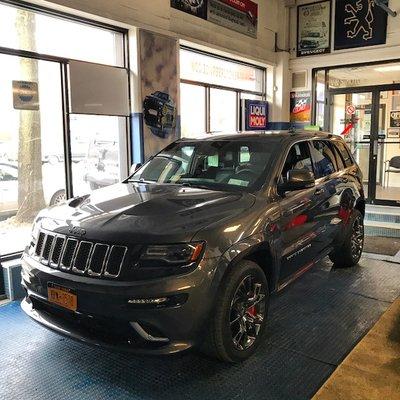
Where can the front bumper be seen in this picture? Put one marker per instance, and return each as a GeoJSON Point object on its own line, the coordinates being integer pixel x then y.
{"type": "Point", "coordinates": [105, 317]}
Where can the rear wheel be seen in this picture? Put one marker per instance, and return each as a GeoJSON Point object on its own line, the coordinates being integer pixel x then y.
{"type": "Point", "coordinates": [349, 252]}
{"type": "Point", "coordinates": [238, 321]}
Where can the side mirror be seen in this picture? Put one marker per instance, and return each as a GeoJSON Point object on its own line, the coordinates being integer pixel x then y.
{"type": "Point", "coordinates": [134, 168]}
{"type": "Point", "coordinates": [297, 179]}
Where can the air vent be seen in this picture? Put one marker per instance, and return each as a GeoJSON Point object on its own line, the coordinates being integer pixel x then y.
{"type": "Point", "coordinates": [299, 80]}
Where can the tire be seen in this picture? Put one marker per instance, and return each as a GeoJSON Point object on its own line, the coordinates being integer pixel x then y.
{"type": "Point", "coordinates": [349, 252]}
{"type": "Point", "coordinates": [231, 315]}
{"type": "Point", "coordinates": [58, 197]}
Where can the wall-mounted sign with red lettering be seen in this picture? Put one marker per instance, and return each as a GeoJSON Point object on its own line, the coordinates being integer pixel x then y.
{"type": "Point", "coordinates": [254, 115]}
{"type": "Point", "coordinates": [238, 15]}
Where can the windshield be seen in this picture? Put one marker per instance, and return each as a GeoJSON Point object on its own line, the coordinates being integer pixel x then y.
{"type": "Point", "coordinates": [220, 165]}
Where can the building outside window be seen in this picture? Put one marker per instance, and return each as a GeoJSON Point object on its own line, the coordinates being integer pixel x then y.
{"type": "Point", "coordinates": [211, 92]}
{"type": "Point", "coordinates": [37, 168]}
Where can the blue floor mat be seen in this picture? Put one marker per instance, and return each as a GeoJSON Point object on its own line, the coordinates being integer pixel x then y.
{"type": "Point", "coordinates": [313, 324]}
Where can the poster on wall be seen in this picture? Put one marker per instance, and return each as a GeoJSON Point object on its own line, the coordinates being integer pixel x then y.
{"type": "Point", "coordinates": [198, 8]}
{"type": "Point", "coordinates": [359, 23]}
{"type": "Point", "coordinates": [254, 115]}
{"type": "Point", "coordinates": [395, 119]}
{"type": "Point", "coordinates": [238, 15]}
{"type": "Point", "coordinates": [300, 107]}
{"type": "Point", "coordinates": [314, 28]}
{"type": "Point", "coordinates": [159, 81]}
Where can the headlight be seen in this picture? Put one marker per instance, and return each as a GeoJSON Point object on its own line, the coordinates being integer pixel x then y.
{"type": "Point", "coordinates": [171, 255]}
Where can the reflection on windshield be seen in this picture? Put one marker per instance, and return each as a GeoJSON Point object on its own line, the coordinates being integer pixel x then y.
{"type": "Point", "coordinates": [219, 165]}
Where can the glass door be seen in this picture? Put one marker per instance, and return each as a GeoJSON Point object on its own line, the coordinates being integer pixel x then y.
{"type": "Point", "coordinates": [370, 124]}
{"type": "Point", "coordinates": [351, 118]}
{"type": "Point", "coordinates": [388, 148]}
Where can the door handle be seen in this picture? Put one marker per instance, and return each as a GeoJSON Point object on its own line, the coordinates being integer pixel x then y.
{"type": "Point", "coordinates": [319, 191]}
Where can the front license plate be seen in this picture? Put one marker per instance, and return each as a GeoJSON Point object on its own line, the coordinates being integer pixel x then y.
{"type": "Point", "coordinates": [62, 296]}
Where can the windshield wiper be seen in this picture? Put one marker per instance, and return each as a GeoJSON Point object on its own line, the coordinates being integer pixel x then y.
{"type": "Point", "coordinates": [141, 180]}
{"type": "Point", "coordinates": [198, 186]}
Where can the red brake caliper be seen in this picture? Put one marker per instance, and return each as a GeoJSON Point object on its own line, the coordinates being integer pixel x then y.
{"type": "Point", "coordinates": [252, 311]}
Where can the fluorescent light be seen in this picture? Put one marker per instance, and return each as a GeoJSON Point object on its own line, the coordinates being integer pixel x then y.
{"type": "Point", "coordinates": [389, 68]}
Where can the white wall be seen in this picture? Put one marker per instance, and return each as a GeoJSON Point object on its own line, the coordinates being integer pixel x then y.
{"type": "Point", "coordinates": [158, 16]}
{"type": "Point", "coordinates": [391, 50]}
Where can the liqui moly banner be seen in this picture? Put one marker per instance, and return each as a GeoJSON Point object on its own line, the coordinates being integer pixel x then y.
{"type": "Point", "coordinates": [254, 115]}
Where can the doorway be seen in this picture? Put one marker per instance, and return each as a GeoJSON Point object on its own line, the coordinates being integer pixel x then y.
{"type": "Point", "coordinates": [367, 119]}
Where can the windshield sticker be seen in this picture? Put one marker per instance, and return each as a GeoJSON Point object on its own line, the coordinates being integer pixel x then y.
{"type": "Point", "coordinates": [238, 182]}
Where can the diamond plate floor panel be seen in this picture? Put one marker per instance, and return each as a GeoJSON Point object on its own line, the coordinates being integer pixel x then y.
{"type": "Point", "coordinates": [313, 324]}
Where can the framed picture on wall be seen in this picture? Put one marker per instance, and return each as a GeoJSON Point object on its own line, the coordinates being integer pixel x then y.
{"type": "Point", "coordinates": [359, 23]}
{"type": "Point", "coordinates": [314, 28]}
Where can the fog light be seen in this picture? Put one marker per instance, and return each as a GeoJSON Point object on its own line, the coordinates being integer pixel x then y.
{"type": "Point", "coordinates": [159, 300]}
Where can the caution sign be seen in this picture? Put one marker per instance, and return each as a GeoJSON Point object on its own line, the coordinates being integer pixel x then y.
{"type": "Point", "coordinates": [25, 95]}
{"type": "Point", "coordinates": [350, 109]}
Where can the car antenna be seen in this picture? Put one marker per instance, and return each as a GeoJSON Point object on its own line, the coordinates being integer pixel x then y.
{"type": "Point", "coordinates": [292, 129]}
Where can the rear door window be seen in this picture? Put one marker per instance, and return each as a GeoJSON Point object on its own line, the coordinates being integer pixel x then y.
{"type": "Point", "coordinates": [323, 158]}
{"type": "Point", "coordinates": [344, 152]}
{"type": "Point", "coordinates": [339, 159]}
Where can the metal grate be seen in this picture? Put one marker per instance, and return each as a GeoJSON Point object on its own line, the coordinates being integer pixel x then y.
{"type": "Point", "coordinates": [57, 250]}
{"type": "Point", "coordinates": [80, 256]}
{"type": "Point", "coordinates": [39, 245]}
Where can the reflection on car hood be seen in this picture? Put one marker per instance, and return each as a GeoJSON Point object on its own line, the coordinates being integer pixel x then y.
{"type": "Point", "coordinates": [146, 213]}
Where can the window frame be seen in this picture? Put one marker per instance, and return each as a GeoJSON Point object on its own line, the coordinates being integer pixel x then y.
{"type": "Point", "coordinates": [63, 63]}
{"type": "Point", "coordinates": [239, 92]}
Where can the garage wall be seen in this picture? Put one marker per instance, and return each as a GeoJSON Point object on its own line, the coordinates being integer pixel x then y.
{"type": "Point", "coordinates": [158, 16]}
{"type": "Point", "coordinates": [390, 50]}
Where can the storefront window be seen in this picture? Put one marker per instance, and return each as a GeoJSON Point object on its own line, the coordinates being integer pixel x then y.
{"type": "Point", "coordinates": [193, 110]}
{"type": "Point", "coordinates": [31, 148]}
{"type": "Point", "coordinates": [223, 111]}
{"type": "Point", "coordinates": [96, 148]}
{"type": "Point", "coordinates": [211, 92]}
{"type": "Point", "coordinates": [59, 37]}
{"type": "Point", "coordinates": [33, 160]}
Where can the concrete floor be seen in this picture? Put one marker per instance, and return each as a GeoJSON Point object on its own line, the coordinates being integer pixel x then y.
{"type": "Point", "coordinates": [372, 370]}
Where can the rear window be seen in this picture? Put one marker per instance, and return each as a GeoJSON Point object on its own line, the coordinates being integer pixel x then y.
{"type": "Point", "coordinates": [344, 152]}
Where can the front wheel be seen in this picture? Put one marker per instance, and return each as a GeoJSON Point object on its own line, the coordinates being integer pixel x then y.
{"type": "Point", "coordinates": [58, 198]}
{"type": "Point", "coordinates": [348, 254]}
{"type": "Point", "coordinates": [238, 320]}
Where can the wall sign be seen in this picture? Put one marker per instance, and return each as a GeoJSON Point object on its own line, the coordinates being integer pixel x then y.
{"type": "Point", "coordinates": [395, 119]}
{"type": "Point", "coordinates": [25, 95]}
{"type": "Point", "coordinates": [300, 107]}
{"type": "Point", "coordinates": [159, 88]}
{"type": "Point", "coordinates": [314, 28]}
{"type": "Point", "coordinates": [238, 15]}
{"type": "Point", "coordinates": [208, 69]}
{"type": "Point", "coordinates": [254, 115]}
{"type": "Point", "coordinates": [359, 23]}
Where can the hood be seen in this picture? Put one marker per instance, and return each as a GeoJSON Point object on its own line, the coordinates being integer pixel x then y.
{"type": "Point", "coordinates": [144, 213]}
